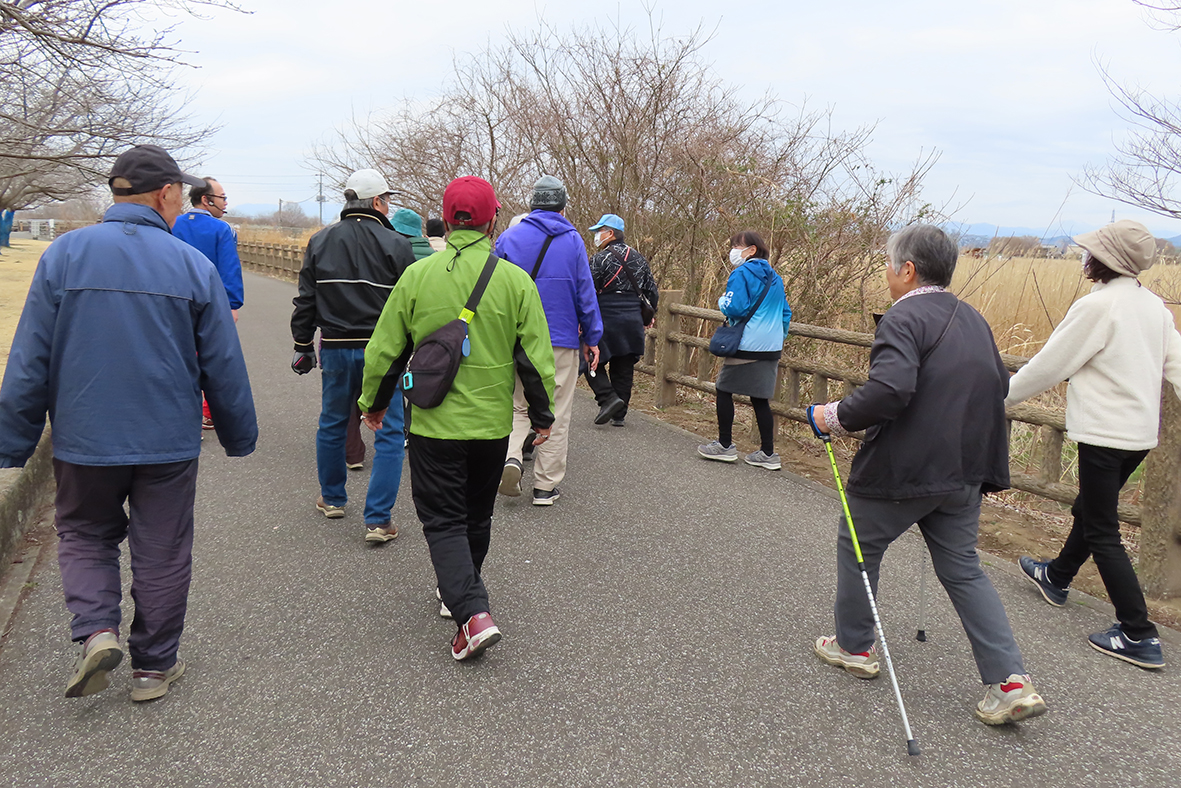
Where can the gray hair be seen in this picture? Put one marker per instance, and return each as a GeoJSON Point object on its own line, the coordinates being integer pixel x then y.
{"type": "Point", "coordinates": [933, 253]}
{"type": "Point", "coordinates": [351, 203]}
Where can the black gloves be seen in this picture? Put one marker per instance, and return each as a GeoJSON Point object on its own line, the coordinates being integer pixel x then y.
{"type": "Point", "coordinates": [304, 361]}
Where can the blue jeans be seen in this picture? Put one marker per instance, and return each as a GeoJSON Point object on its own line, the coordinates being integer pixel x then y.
{"type": "Point", "coordinates": [341, 372]}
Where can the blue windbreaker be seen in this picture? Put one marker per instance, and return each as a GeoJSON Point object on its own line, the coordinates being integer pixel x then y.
{"type": "Point", "coordinates": [767, 330]}
{"type": "Point", "coordinates": [216, 240]}
{"type": "Point", "coordinates": [123, 327]}
{"type": "Point", "coordinates": [564, 280]}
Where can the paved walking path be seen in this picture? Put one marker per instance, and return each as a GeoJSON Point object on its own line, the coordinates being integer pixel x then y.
{"type": "Point", "coordinates": [658, 628]}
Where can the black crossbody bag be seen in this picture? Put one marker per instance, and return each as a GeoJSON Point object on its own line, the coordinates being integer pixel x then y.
{"type": "Point", "coordinates": [433, 365]}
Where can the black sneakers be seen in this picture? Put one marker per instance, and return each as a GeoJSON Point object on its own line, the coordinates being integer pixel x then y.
{"type": "Point", "coordinates": [545, 497]}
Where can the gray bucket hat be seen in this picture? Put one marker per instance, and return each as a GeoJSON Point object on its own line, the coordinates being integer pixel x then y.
{"type": "Point", "coordinates": [1125, 247]}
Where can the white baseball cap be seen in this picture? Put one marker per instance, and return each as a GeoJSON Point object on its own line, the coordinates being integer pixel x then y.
{"type": "Point", "coordinates": [367, 184]}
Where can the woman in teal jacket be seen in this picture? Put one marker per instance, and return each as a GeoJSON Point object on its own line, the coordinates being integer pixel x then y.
{"type": "Point", "coordinates": [753, 371]}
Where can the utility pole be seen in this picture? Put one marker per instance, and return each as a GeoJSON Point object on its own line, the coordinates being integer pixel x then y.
{"type": "Point", "coordinates": [320, 199]}
{"type": "Point", "coordinates": [280, 211]}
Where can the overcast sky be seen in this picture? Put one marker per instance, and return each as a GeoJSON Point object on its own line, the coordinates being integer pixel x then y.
{"type": "Point", "coordinates": [1007, 91]}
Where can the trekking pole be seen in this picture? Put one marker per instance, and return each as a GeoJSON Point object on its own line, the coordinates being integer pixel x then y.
{"type": "Point", "coordinates": [912, 746]}
{"type": "Point", "coordinates": [921, 635]}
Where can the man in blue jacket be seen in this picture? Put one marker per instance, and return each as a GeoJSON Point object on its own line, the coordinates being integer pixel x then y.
{"type": "Point", "coordinates": [548, 246]}
{"type": "Point", "coordinates": [123, 327]}
{"type": "Point", "coordinates": [204, 229]}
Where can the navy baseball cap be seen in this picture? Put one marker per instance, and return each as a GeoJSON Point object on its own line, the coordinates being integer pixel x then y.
{"type": "Point", "coordinates": [146, 168]}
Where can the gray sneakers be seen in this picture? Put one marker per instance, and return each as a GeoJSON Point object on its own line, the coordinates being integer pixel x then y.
{"type": "Point", "coordinates": [99, 655]}
{"type": "Point", "coordinates": [152, 684]}
{"type": "Point", "coordinates": [761, 460]}
{"type": "Point", "coordinates": [510, 478]}
{"type": "Point", "coordinates": [1010, 700]}
{"type": "Point", "coordinates": [716, 451]}
{"type": "Point", "coordinates": [863, 665]}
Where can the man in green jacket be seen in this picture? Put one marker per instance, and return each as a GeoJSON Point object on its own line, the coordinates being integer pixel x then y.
{"type": "Point", "coordinates": [457, 449]}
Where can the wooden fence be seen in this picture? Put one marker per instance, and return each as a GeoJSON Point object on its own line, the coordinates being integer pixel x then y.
{"type": "Point", "coordinates": [676, 357]}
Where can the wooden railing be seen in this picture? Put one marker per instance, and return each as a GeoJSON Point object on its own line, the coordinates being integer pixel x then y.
{"type": "Point", "coordinates": [676, 357]}
{"type": "Point", "coordinates": [281, 261]}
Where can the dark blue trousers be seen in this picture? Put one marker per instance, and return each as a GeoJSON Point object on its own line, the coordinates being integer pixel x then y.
{"type": "Point", "coordinates": [91, 524]}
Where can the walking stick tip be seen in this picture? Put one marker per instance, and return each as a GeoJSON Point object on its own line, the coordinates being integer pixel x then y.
{"type": "Point", "coordinates": [912, 747]}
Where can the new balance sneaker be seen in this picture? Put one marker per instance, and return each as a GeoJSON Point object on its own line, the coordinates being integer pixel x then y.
{"type": "Point", "coordinates": [545, 497]}
{"type": "Point", "coordinates": [716, 451]}
{"type": "Point", "coordinates": [474, 637]}
{"type": "Point", "coordinates": [1144, 653]}
{"type": "Point", "coordinates": [510, 478]}
{"type": "Point", "coordinates": [444, 611]}
{"type": "Point", "coordinates": [330, 511]}
{"type": "Point", "coordinates": [97, 657]}
{"type": "Point", "coordinates": [1011, 700]}
{"type": "Point", "coordinates": [863, 665]}
{"type": "Point", "coordinates": [152, 684]}
{"type": "Point", "coordinates": [1036, 572]}
{"type": "Point", "coordinates": [380, 534]}
{"type": "Point", "coordinates": [761, 459]}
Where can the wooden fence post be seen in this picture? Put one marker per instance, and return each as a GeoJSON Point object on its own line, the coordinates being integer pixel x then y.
{"type": "Point", "coordinates": [1160, 535]}
{"type": "Point", "coordinates": [667, 357]}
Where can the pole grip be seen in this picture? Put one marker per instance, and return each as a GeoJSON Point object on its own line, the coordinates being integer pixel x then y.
{"type": "Point", "coordinates": [824, 436]}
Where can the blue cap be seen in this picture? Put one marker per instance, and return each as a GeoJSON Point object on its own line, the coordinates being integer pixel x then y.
{"type": "Point", "coordinates": [609, 220]}
{"type": "Point", "coordinates": [407, 222]}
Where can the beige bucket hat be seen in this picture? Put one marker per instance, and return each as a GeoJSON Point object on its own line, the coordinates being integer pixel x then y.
{"type": "Point", "coordinates": [1125, 247]}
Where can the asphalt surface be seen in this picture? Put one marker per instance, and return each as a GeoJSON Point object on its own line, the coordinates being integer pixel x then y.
{"type": "Point", "coordinates": [658, 625]}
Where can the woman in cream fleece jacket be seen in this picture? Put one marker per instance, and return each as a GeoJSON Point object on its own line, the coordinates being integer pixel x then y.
{"type": "Point", "coordinates": [1114, 346]}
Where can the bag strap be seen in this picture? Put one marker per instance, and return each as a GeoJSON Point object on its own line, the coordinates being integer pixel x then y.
{"type": "Point", "coordinates": [766, 289]}
{"type": "Point", "coordinates": [946, 328]}
{"type": "Point", "coordinates": [627, 272]}
{"type": "Point", "coordinates": [469, 309]}
{"type": "Point", "coordinates": [537, 267]}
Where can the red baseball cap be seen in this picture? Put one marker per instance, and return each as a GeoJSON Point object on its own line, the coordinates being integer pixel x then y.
{"type": "Point", "coordinates": [470, 195]}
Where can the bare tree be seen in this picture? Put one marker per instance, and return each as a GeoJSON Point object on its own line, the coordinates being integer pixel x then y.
{"type": "Point", "coordinates": [639, 125]}
{"type": "Point", "coordinates": [83, 80]}
{"type": "Point", "coordinates": [1146, 166]}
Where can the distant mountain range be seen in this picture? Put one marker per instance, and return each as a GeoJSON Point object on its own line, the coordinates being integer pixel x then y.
{"type": "Point", "coordinates": [981, 234]}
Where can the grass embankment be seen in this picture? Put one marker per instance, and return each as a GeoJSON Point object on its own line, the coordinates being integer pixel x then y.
{"type": "Point", "coordinates": [17, 265]}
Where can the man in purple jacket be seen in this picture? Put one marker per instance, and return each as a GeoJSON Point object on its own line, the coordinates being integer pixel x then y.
{"type": "Point", "coordinates": [123, 327]}
{"type": "Point", "coordinates": [548, 246]}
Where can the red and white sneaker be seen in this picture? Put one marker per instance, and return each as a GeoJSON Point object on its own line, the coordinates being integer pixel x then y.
{"type": "Point", "coordinates": [206, 423]}
{"type": "Point", "coordinates": [473, 637]}
{"type": "Point", "coordinates": [1011, 700]}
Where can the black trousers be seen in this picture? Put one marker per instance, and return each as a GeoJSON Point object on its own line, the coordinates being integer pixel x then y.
{"type": "Point", "coordinates": [454, 487]}
{"type": "Point", "coordinates": [1095, 534]}
{"type": "Point", "coordinates": [615, 376]}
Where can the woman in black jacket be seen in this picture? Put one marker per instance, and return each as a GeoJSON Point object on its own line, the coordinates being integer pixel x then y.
{"type": "Point", "coordinates": [625, 287]}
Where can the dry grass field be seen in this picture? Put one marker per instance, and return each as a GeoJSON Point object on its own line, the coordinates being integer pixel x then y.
{"type": "Point", "coordinates": [272, 235]}
{"type": "Point", "coordinates": [17, 265]}
{"type": "Point", "coordinates": [1023, 299]}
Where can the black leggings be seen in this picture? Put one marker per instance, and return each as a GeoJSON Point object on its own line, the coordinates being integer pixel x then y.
{"type": "Point", "coordinates": [762, 408]}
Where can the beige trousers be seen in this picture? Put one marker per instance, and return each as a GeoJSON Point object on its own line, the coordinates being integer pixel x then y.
{"type": "Point", "coordinates": [549, 459]}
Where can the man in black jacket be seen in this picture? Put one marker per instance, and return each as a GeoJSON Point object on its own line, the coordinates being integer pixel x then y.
{"type": "Point", "coordinates": [349, 269]}
{"type": "Point", "coordinates": [934, 415]}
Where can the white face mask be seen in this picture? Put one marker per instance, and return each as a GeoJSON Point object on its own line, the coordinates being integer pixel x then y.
{"type": "Point", "coordinates": [736, 258]}
{"type": "Point", "coordinates": [600, 238]}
